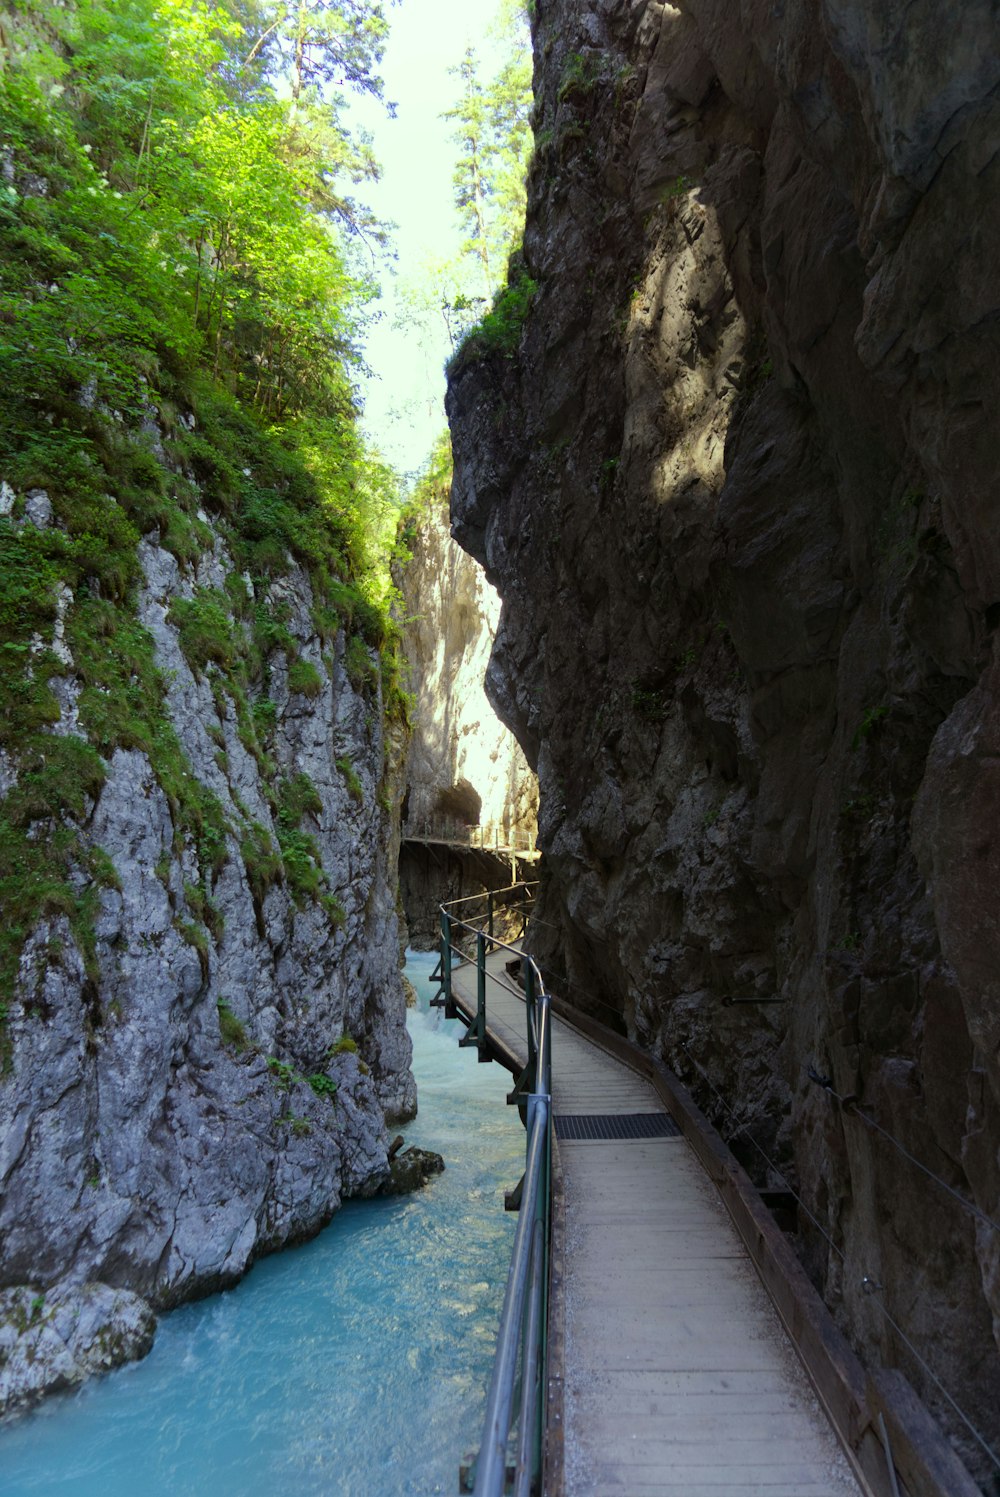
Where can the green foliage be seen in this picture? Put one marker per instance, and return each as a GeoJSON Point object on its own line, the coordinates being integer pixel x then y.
{"type": "Point", "coordinates": [579, 75]}
{"type": "Point", "coordinates": [204, 909]}
{"type": "Point", "coordinates": [322, 1085]}
{"type": "Point", "coordinates": [351, 779]}
{"type": "Point", "coordinates": [232, 1029]}
{"type": "Point", "coordinates": [500, 330]}
{"type": "Point", "coordinates": [650, 702]}
{"type": "Point", "coordinates": [345, 1045]}
{"type": "Point", "coordinates": [59, 775]}
{"type": "Point", "coordinates": [171, 253]}
{"type": "Point", "coordinates": [282, 1073]}
{"type": "Point", "coordinates": [196, 936]}
{"type": "Point", "coordinates": [304, 678]}
{"type": "Point", "coordinates": [362, 672]}
{"type": "Point", "coordinates": [205, 629]}
{"type": "Point", "coordinates": [491, 129]}
{"type": "Point", "coordinates": [303, 870]}
{"type": "Point", "coordinates": [675, 189]}
{"type": "Point", "coordinates": [261, 859]}
{"type": "Point", "coordinates": [265, 716]}
{"type": "Point", "coordinates": [871, 720]}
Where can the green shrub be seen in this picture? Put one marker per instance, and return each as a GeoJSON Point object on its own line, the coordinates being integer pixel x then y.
{"type": "Point", "coordinates": [500, 330]}
{"type": "Point", "coordinates": [232, 1029]}
{"type": "Point", "coordinates": [361, 671]}
{"type": "Point", "coordinates": [345, 1045]}
{"type": "Point", "coordinates": [304, 679]}
{"type": "Point", "coordinates": [282, 1073]}
{"type": "Point", "coordinates": [204, 909]}
{"type": "Point", "coordinates": [261, 859]}
{"type": "Point", "coordinates": [265, 717]}
{"type": "Point", "coordinates": [352, 779]}
{"type": "Point", "coordinates": [322, 1085]}
{"type": "Point", "coordinates": [205, 629]}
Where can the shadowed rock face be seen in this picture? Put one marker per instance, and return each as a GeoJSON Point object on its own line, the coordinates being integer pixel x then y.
{"type": "Point", "coordinates": [168, 1120]}
{"type": "Point", "coordinates": [737, 490]}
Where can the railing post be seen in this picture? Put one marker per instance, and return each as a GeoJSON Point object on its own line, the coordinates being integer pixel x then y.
{"type": "Point", "coordinates": [450, 1011]}
{"type": "Point", "coordinates": [489, 903]}
{"type": "Point", "coordinates": [531, 1009]}
{"type": "Point", "coordinates": [481, 994]}
{"type": "Point", "coordinates": [476, 1032]}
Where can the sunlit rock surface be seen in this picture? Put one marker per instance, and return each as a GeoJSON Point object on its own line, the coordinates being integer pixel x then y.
{"type": "Point", "coordinates": [465, 768]}
{"type": "Point", "coordinates": [737, 490]}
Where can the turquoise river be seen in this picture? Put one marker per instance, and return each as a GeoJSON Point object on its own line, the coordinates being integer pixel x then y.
{"type": "Point", "coordinates": [354, 1364]}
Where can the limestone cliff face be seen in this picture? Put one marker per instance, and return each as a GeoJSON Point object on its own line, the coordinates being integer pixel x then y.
{"type": "Point", "coordinates": [737, 490]}
{"type": "Point", "coordinates": [167, 1112]}
{"type": "Point", "coordinates": [464, 767]}
{"type": "Point", "coordinates": [464, 764]}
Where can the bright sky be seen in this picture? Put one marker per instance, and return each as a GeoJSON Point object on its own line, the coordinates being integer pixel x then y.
{"type": "Point", "coordinates": [404, 410]}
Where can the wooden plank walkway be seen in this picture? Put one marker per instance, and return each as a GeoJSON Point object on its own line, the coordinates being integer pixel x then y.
{"type": "Point", "coordinates": [679, 1378]}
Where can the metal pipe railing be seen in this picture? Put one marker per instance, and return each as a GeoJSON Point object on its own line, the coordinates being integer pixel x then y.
{"type": "Point", "coordinates": [522, 1334]}
{"type": "Point", "coordinates": [491, 1464]}
{"type": "Point", "coordinates": [490, 836]}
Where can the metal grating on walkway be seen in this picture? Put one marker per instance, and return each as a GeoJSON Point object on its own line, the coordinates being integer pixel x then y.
{"type": "Point", "coordinates": [616, 1125]}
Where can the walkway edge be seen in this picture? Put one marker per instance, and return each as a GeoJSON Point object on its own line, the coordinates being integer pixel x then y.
{"type": "Point", "coordinates": [925, 1462]}
{"type": "Point", "coordinates": [553, 1465]}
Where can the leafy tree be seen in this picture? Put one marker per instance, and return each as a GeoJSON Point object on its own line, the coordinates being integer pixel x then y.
{"type": "Point", "coordinates": [319, 44]}
{"type": "Point", "coordinates": [178, 331]}
{"type": "Point", "coordinates": [492, 133]}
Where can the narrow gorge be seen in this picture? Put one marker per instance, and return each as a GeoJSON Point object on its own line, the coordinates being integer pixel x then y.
{"type": "Point", "coordinates": [725, 446]}
{"type": "Point", "coordinates": [467, 780]}
{"type": "Point", "coordinates": [685, 638]}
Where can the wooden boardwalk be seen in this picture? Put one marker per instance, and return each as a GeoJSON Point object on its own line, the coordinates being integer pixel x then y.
{"type": "Point", "coordinates": [679, 1378]}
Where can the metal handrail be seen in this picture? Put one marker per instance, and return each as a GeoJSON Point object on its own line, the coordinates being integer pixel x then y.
{"type": "Point", "coordinates": [491, 836]}
{"type": "Point", "coordinates": [508, 889]}
{"type": "Point", "coordinates": [522, 1334]}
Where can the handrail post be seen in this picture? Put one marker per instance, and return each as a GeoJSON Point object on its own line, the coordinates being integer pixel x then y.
{"type": "Point", "coordinates": [476, 1032]}
{"type": "Point", "coordinates": [450, 1011]}
{"type": "Point", "coordinates": [489, 901]}
{"type": "Point", "coordinates": [530, 1008]}
{"type": "Point", "coordinates": [481, 994]}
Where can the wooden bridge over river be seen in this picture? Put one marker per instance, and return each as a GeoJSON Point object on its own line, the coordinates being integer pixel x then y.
{"type": "Point", "coordinates": [686, 1352]}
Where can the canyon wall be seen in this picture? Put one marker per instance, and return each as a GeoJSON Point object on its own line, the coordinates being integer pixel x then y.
{"type": "Point", "coordinates": [200, 1071]}
{"type": "Point", "coordinates": [727, 449]}
{"type": "Point", "coordinates": [464, 769]}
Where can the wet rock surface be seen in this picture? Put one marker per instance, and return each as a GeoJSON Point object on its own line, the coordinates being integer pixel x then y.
{"type": "Point", "coordinates": [736, 489]}
{"type": "Point", "coordinates": [410, 1170]}
{"type": "Point", "coordinates": [52, 1341]}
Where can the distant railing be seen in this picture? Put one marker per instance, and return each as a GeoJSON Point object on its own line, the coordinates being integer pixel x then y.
{"type": "Point", "coordinates": [515, 1404]}
{"type": "Point", "coordinates": [490, 836]}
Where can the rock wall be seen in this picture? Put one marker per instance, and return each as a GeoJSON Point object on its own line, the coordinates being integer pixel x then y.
{"type": "Point", "coordinates": [736, 487]}
{"type": "Point", "coordinates": [185, 1097]}
{"type": "Point", "coordinates": [464, 766]}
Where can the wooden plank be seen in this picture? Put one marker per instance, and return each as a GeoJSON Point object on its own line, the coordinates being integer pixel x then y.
{"type": "Point", "coordinates": [927, 1465]}
{"type": "Point", "coordinates": [932, 1468]}
{"type": "Point", "coordinates": [678, 1324]}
